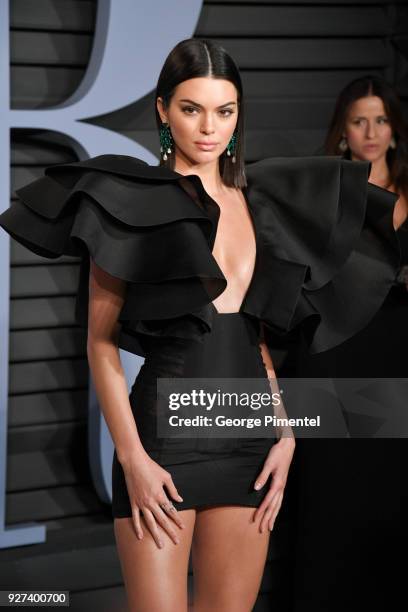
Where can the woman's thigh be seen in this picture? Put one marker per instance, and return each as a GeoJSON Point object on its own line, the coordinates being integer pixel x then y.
{"type": "Point", "coordinates": [155, 578]}
{"type": "Point", "coordinates": [228, 554]}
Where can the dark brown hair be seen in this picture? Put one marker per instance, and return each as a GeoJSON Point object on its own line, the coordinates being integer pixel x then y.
{"type": "Point", "coordinates": [370, 85]}
{"type": "Point", "coordinates": [192, 58]}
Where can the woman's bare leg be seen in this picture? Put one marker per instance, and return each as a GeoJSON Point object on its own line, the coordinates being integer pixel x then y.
{"type": "Point", "coordinates": [155, 578]}
{"type": "Point", "coordinates": [228, 555]}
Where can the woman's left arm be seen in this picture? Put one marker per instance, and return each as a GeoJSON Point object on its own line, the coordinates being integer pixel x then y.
{"type": "Point", "coordinates": [279, 458]}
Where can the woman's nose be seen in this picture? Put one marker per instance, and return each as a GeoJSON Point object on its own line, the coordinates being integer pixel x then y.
{"type": "Point", "coordinates": [371, 129]}
{"type": "Point", "coordinates": [208, 125]}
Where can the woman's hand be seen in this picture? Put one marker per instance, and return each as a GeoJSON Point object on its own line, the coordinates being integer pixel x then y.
{"type": "Point", "coordinates": [276, 464]}
{"type": "Point", "coordinates": [145, 479]}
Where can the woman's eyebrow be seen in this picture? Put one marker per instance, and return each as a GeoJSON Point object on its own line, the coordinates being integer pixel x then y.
{"type": "Point", "coordinates": [363, 117]}
{"type": "Point", "coordinates": [200, 106]}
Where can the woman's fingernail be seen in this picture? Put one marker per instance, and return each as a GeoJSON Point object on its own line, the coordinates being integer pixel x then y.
{"type": "Point", "coordinates": [258, 485]}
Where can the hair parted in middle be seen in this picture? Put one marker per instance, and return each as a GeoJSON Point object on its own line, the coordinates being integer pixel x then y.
{"type": "Point", "coordinates": [192, 58]}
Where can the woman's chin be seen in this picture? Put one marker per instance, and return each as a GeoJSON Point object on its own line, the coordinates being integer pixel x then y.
{"type": "Point", "coordinates": [371, 156]}
{"type": "Point", "coordinates": [204, 157]}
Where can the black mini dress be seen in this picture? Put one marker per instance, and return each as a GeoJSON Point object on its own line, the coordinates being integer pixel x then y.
{"type": "Point", "coordinates": [326, 257]}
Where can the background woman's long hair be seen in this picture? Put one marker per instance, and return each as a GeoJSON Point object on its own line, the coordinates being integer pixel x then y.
{"type": "Point", "coordinates": [370, 85]}
{"type": "Point", "coordinates": [192, 58]}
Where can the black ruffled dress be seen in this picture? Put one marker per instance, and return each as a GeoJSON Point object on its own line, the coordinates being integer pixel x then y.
{"type": "Point", "coordinates": [327, 255]}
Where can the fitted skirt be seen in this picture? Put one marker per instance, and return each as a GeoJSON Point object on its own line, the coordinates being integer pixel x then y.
{"type": "Point", "coordinates": [205, 470]}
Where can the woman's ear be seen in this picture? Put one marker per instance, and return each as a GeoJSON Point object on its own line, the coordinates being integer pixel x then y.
{"type": "Point", "coordinates": [160, 109]}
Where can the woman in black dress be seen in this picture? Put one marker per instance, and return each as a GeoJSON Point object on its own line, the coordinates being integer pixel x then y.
{"type": "Point", "coordinates": [196, 264]}
{"type": "Point", "coordinates": [353, 494]}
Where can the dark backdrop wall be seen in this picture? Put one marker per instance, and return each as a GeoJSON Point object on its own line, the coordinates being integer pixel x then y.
{"type": "Point", "coordinates": [294, 58]}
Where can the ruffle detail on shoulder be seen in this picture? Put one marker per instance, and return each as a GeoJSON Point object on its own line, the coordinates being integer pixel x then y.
{"type": "Point", "coordinates": [329, 252]}
{"type": "Point", "coordinates": [138, 224]}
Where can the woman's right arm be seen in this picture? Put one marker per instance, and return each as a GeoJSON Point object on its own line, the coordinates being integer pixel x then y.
{"type": "Point", "coordinates": [144, 477]}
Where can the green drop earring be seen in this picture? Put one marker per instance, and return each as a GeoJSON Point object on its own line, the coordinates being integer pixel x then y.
{"type": "Point", "coordinates": [231, 147]}
{"type": "Point", "coordinates": [166, 140]}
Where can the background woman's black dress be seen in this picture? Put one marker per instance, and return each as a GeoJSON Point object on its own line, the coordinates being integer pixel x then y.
{"type": "Point", "coordinates": [351, 495]}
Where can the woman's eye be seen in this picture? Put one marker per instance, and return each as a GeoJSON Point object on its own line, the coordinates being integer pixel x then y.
{"type": "Point", "coordinates": [189, 109]}
{"type": "Point", "coordinates": [383, 120]}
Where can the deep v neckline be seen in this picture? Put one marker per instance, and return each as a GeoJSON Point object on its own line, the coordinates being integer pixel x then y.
{"type": "Point", "coordinates": [202, 199]}
{"type": "Point", "coordinates": [254, 229]}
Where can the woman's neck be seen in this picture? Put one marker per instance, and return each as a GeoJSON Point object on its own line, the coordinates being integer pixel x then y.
{"type": "Point", "coordinates": [209, 174]}
{"type": "Point", "coordinates": [380, 174]}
